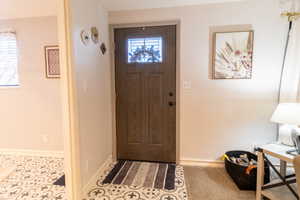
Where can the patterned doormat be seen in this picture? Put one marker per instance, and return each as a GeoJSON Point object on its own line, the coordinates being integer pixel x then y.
{"type": "Point", "coordinates": [101, 191]}
{"type": "Point", "coordinates": [144, 174]}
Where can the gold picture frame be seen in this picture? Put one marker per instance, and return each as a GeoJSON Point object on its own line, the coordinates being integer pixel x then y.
{"type": "Point", "coordinates": [233, 55]}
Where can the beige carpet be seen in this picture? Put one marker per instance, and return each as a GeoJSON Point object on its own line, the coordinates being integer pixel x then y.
{"type": "Point", "coordinates": [213, 184]}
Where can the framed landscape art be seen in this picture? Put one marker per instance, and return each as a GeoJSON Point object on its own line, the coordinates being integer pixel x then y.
{"type": "Point", "coordinates": [52, 62]}
{"type": "Point", "coordinates": [233, 55]}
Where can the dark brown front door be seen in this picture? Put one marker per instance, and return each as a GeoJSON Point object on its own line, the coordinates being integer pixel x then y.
{"type": "Point", "coordinates": [146, 93]}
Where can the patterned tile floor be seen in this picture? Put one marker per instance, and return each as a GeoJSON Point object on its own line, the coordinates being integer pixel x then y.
{"type": "Point", "coordinates": [123, 192]}
{"type": "Point", "coordinates": [32, 178]}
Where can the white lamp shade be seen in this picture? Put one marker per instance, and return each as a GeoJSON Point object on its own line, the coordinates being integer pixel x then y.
{"type": "Point", "coordinates": [287, 113]}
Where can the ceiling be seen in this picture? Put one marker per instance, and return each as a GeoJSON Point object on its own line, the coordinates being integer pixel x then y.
{"type": "Point", "coordinates": [11, 9]}
{"type": "Point", "coordinates": [114, 5]}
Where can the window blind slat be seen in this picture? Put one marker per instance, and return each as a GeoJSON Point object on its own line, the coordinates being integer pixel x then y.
{"type": "Point", "coordinates": [8, 59]}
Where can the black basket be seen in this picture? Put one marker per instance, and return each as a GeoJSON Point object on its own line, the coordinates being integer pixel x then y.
{"type": "Point", "coordinates": [238, 172]}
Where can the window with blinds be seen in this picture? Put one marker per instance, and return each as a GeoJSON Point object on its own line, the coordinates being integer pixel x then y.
{"type": "Point", "coordinates": [8, 59]}
{"type": "Point", "coordinates": [145, 50]}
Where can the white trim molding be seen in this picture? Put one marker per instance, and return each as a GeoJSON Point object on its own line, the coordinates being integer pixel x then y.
{"type": "Point", "coordinates": [175, 22]}
{"type": "Point", "coordinates": [95, 177]}
{"type": "Point", "coordinates": [26, 152]}
{"type": "Point", "coordinates": [201, 163]}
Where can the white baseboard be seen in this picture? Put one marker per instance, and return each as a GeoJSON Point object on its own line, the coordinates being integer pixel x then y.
{"type": "Point", "coordinates": [201, 163]}
{"type": "Point", "coordinates": [5, 172]}
{"type": "Point", "coordinates": [94, 179]}
{"type": "Point", "coordinates": [212, 163]}
{"type": "Point", "coordinates": [26, 152]}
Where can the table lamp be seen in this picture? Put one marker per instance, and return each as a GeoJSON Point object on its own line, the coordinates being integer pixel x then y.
{"type": "Point", "coordinates": [288, 115]}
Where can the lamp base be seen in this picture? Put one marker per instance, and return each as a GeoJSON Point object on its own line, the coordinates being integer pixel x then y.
{"type": "Point", "coordinates": [285, 134]}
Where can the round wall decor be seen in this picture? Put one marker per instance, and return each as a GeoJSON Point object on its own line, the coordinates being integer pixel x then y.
{"type": "Point", "coordinates": [85, 38]}
{"type": "Point", "coordinates": [95, 35]}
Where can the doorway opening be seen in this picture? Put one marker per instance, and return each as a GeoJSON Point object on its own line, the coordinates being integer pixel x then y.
{"type": "Point", "coordinates": [145, 83]}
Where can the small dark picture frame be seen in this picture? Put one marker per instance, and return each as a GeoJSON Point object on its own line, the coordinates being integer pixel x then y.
{"type": "Point", "coordinates": [52, 61]}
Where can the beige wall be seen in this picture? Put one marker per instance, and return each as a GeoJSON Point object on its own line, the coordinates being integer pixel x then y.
{"type": "Point", "coordinates": [221, 115]}
{"type": "Point", "coordinates": [93, 87]}
{"type": "Point", "coordinates": [31, 113]}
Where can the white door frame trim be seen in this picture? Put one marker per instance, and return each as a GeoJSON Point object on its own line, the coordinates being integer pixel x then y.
{"type": "Point", "coordinates": [178, 78]}
{"type": "Point", "coordinates": [69, 103]}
